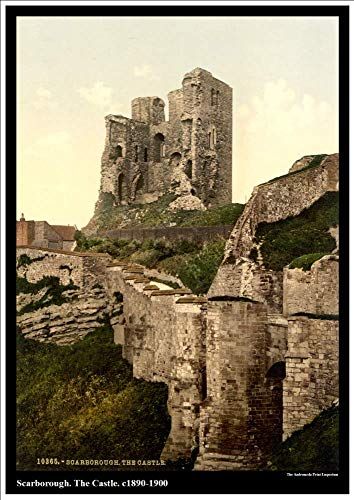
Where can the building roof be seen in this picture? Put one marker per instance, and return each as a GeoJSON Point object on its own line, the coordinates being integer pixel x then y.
{"type": "Point", "coordinates": [66, 232]}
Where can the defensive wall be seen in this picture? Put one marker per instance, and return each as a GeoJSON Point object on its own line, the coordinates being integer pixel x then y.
{"type": "Point", "coordinates": [197, 234]}
{"type": "Point", "coordinates": [240, 376]}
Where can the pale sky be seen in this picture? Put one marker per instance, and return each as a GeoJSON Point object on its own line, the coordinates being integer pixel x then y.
{"type": "Point", "coordinates": [74, 71]}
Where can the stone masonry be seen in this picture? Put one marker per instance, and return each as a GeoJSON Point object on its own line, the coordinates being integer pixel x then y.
{"type": "Point", "coordinates": [223, 360]}
{"type": "Point", "coordinates": [275, 200]}
{"type": "Point", "coordinates": [146, 156]}
{"type": "Point", "coordinates": [245, 367]}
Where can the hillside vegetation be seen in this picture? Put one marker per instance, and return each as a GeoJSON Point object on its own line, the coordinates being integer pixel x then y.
{"type": "Point", "coordinates": [158, 214]}
{"type": "Point", "coordinates": [82, 402]}
{"type": "Point", "coordinates": [283, 241]}
{"type": "Point", "coordinates": [194, 263]}
{"type": "Point", "coordinates": [313, 448]}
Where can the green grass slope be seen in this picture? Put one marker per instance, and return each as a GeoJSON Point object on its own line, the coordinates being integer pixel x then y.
{"type": "Point", "coordinates": [158, 214]}
{"type": "Point", "coordinates": [283, 241]}
{"type": "Point", "coordinates": [82, 402]}
{"type": "Point", "coordinates": [195, 264]}
{"type": "Point", "coordinates": [313, 448]}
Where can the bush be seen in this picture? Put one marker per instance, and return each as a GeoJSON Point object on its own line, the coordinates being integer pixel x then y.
{"type": "Point", "coordinates": [305, 261]}
{"type": "Point", "coordinates": [147, 258]}
{"type": "Point", "coordinates": [200, 270]}
{"type": "Point", "coordinates": [186, 246]}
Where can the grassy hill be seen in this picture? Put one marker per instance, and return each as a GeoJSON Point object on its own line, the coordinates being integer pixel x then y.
{"type": "Point", "coordinates": [82, 402]}
{"type": "Point", "coordinates": [158, 214]}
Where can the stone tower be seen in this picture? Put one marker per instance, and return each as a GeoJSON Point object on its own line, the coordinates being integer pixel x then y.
{"type": "Point", "coordinates": [190, 154]}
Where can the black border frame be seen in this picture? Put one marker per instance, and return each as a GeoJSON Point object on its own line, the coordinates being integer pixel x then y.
{"type": "Point", "coordinates": [185, 481]}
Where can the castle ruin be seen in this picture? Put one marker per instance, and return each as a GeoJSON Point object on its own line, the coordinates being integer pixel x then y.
{"type": "Point", "coordinates": [146, 156]}
{"type": "Point", "coordinates": [246, 366]}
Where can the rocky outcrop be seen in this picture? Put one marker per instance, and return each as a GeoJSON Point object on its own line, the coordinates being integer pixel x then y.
{"type": "Point", "coordinates": [66, 323]}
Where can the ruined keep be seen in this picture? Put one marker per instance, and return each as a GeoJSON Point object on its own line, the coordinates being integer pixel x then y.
{"type": "Point", "coordinates": [146, 156]}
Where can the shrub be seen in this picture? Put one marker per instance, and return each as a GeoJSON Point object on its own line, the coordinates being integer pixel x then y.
{"type": "Point", "coordinates": [305, 261]}
{"type": "Point", "coordinates": [200, 270]}
{"type": "Point", "coordinates": [147, 258]}
{"type": "Point", "coordinates": [186, 246]}
{"type": "Point", "coordinates": [24, 260]}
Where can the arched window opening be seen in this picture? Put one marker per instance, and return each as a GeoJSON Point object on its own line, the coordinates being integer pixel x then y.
{"type": "Point", "coordinates": [121, 189]}
{"type": "Point", "coordinates": [116, 152]}
{"type": "Point", "coordinates": [209, 140]}
{"type": "Point", "coordinates": [193, 192]}
{"type": "Point", "coordinates": [159, 147]}
{"type": "Point", "coordinates": [175, 159]}
{"type": "Point", "coordinates": [188, 169]}
{"type": "Point", "coordinates": [145, 154]}
{"type": "Point", "coordinates": [136, 149]}
{"type": "Point", "coordinates": [276, 371]}
{"type": "Point", "coordinates": [217, 97]}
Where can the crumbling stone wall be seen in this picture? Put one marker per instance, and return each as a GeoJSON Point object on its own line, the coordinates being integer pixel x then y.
{"type": "Point", "coordinates": [82, 269]}
{"type": "Point", "coordinates": [239, 374]}
{"type": "Point", "coordinates": [162, 333]}
{"type": "Point", "coordinates": [275, 200]}
{"type": "Point", "coordinates": [191, 154]}
{"type": "Point", "coordinates": [314, 291]}
{"type": "Point", "coordinates": [311, 382]}
{"type": "Point", "coordinates": [86, 307]}
{"type": "Point", "coordinates": [68, 323]}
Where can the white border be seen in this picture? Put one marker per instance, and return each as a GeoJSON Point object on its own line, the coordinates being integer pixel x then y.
{"type": "Point", "coordinates": [83, 3]}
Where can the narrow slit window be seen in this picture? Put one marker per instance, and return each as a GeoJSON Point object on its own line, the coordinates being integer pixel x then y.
{"type": "Point", "coordinates": [212, 97]}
